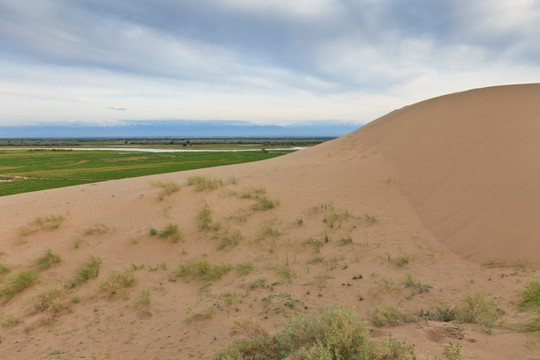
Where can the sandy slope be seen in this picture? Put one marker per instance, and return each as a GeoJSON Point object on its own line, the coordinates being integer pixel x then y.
{"type": "Point", "coordinates": [451, 182]}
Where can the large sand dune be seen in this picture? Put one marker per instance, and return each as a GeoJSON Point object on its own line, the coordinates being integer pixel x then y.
{"type": "Point", "coordinates": [436, 189]}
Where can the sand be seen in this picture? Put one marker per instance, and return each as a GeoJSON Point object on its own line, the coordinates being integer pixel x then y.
{"type": "Point", "coordinates": [446, 190]}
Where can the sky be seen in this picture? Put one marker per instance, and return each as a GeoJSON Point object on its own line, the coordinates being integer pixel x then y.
{"type": "Point", "coordinates": [272, 62]}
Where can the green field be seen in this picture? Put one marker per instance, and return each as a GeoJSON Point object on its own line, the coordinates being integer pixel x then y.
{"type": "Point", "coordinates": [53, 169]}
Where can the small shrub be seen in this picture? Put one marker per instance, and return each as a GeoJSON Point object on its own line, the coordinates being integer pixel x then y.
{"type": "Point", "coordinates": [167, 188]}
{"type": "Point", "coordinates": [202, 270]}
{"type": "Point", "coordinates": [98, 229]}
{"type": "Point", "coordinates": [10, 321]}
{"type": "Point", "coordinates": [142, 302]}
{"type": "Point", "coordinates": [229, 239]}
{"type": "Point", "coordinates": [153, 232]}
{"type": "Point", "coordinates": [117, 282]}
{"type": "Point", "coordinates": [86, 271]}
{"type": "Point", "coordinates": [50, 300]}
{"type": "Point", "coordinates": [385, 315]}
{"type": "Point", "coordinates": [439, 311]}
{"type": "Point", "coordinates": [46, 260]}
{"type": "Point", "coordinates": [4, 269]}
{"type": "Point", "coordinates": [346, 241]}
{"type": "Point", "coordinates": [532, 324]}
{"type": "Point", "coordinates": [202, 183]}
{"type": "Point", "coordinates": [48, 222]}
{"type": "Point", "coordinates": [171, 233]}
{"type": "Point", "coordinates": [244, 268]}
{"type": "Point", "coordinates": [205, 220]}
{"type": "Point", "coordinates": [371, 219]}
{"type": "Point", "coordinates": [530, 296]}
{"type": "Point", "coordinates": [401, 260]}
{"type": "Point", "coordinates": [263, 203]}
{"type": "Point", "coordinates": [253, 193]}
{"type": "Point", "coordinates": [479, 309]}
{"type": "Point", "coordinates": [335, 333]}
{"type": "Point", "coordinates": [453, 351]}
{"type": "Point", "coordinates": [254, 284]}
{"type": "Point", "coordinates": [416, 286]}
{"type": "Point", "coordinates": [16, 283]}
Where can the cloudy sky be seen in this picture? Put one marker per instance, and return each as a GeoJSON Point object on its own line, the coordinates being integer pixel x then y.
{"type": "Point", "coordinates": [265, 61]}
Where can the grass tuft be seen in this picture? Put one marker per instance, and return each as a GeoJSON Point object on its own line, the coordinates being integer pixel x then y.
{"type": "Point", "coordinates": [170, 232]}
{"type": "Point", "coordinates": [96, 229]}
{"type": "Point", "coordinates": [205, 220]}
{"type": "Point", "coordinates": [50, 300]}
{"type": "Point", "coordinates": [10, 321]}
{"type": "Point", "coordinates": [202, 270]}
{"type": "Point", "coordinates": [530, 296]}
{"type": "Point", "coordinates": [48, 222]}
{"type": "Point", "coordinates": [263, 203]}
{"type": "Point", "coordinates": [229, 239]}
{"type": "Point", "coordinates": [167, 188]}
{"type": "Point", "coordinates": [117, 282]}
{"type": "Point", "coordinates": [86, 271]}
{"type": "Point", "coordinates": [142, 302]}
{"type": "Point", "coordinates": [16, 283]}
{"type": "Point", "coordinates": [479, 309]}
{"type": "Point", "coordinates": [203, 183]}
{"type": "Point", "coordinates": [46, 260]}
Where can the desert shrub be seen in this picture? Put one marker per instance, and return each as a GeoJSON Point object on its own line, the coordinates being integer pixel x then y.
{"type": "Point", "coordinates": [46, 260]}
{"type": "Point", "coordinates": [16, 283]}
{"type": "Point", "coordinates": [244, 268]}
{"type": "Point", "coordinates": [142, 302]}
{"type": "Point", "coordinates": [201, 270]}
{"type": "Point", "coordinates": [479, 309]}
{"type": "Point", "coordinates": [416, 286]}
{"type": "Point", "coordinates": [385, 315]}
{"type": "Point", "coordinates": [334, 333]}
{"type": "Point", "coordinates": [530, 296]}
{"type": "Point", "coordinates": [264, 203]}
{"type": "Point", "coordinates": [171, 233]}
{"type": "Point", "coordinates": [10, 321]}
{"type": "Point", "coordinates": [117, 282]}
{"type": "Point", "coordinates": [167, 188]}
{"type": "Point", "coordinates": [4, 269]}
{"type": "Point", "coordinates": [202, 183]}
{"type": "Point", "coordinates": [438, 311]}
{"type": "Point", "coordinates": [228, 238]}
{"type": "Point", "coordinates": [96, 229]}
{"type": "Point", "coordinates": [86, 271]}
{"type": "Point", "coordinates": [49, 222]}
{"type": "Point", "coordinates": [50, 299]}
{"type": "Point", "coordinates": [205, 220]}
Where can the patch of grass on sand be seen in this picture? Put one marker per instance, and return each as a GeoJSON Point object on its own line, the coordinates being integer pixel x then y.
{"type": "Point", "coordinates": [203, 183]}
{"type": "Point", "coordinates": [205, 220]}
{"type": "Point", "coordinates": [479, 308]}
{"type": "Point", "coordinates": [170, 232]}
{"type": "Point", "coordinates": [530, 302]}
{"type": "Point", "coordinates": [117, 282]}
{"type": "Point", "coordinates": [47, 222]}
{"type": "Point", "coordinates": [167, 188]}
{"type": "Point", "coordinates": [201, 270]}
{"type": "Point", "coordinates": [86, 271]}
{"type": "Point", "coordinates": [263, 203]}
{"type": "Point", "coordinates": [334, 333]}
{"type": "Point", "coordinates": [17, 282]}
{"type": "Point", "coordinates": [50, 300]}
{"type": "Point", "coordinates": [46, 260]}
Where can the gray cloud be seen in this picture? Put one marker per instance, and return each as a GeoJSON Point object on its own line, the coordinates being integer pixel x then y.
{"type": "Point", "coordinates": [322, 47]}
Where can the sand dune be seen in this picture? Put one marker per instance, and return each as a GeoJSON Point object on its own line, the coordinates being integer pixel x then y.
{"type": "Point", "coordinates": [435, 190]}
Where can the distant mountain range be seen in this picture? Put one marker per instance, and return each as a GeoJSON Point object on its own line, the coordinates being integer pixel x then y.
{"type": "Point", "coordinates": [177, 128]}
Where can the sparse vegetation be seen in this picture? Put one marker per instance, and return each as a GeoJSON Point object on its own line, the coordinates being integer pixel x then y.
{"type": "Point", "coordinates": [386, 315]}
{"type": "Point", "coordinates": [480, 309]}
{"type": "Point", "coordinates": [170, 232]}
{"type": "Point", "coordinates": [167, 188]}
{"type": "Point", "coordinates": [438, 311]}
{"type": "Point", "coordinates": [203, 183]}
{"type": "Point", "coordinates": [50, 300]}
{"type": "Point", "coordinates": [416, 286]}
{"type": "Point", "coordinates": [17, 282]}
{"type": "Point", "coordinates": [530, 302]}
{"type": "Point", "coordinates": [4, 269]}
{"type": "Point", "coordinates": [201, 270]}
{"type": "Point", "coordinates": [86, 271]}
{"type": "Point", "coordinates": [244, 268]}
{"type": "Point", "coordinates": [46, 260]}
{"type": "Point", "coordinates": [228, 238]}
{"type": "Point", "coordinates": [98, 229]}
{"type": "Point", "coordinates": [263, 203]}
{"type": "Point", "coordinates": [254, 284]}
{"type": "Point", "coordinates": [117, 282]}
{"type": "Point", "coordinates": [205, 220]}
{"type": "Point", "coordinates": [47, 222]}
{"type": "Point", "coordinates": [253, 192]}
{"type": "Point", "coordinates": [400, 260]}
{"type": "Point", "coordinates": [335, 333]}
{"type": "Point", "coordinates": [10, 321]}
{"type": "Point", "coordinates": [142, 302]}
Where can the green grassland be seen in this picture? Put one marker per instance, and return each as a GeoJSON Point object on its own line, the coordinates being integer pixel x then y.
{"type": "Point", "coordinates": [53, 169]}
